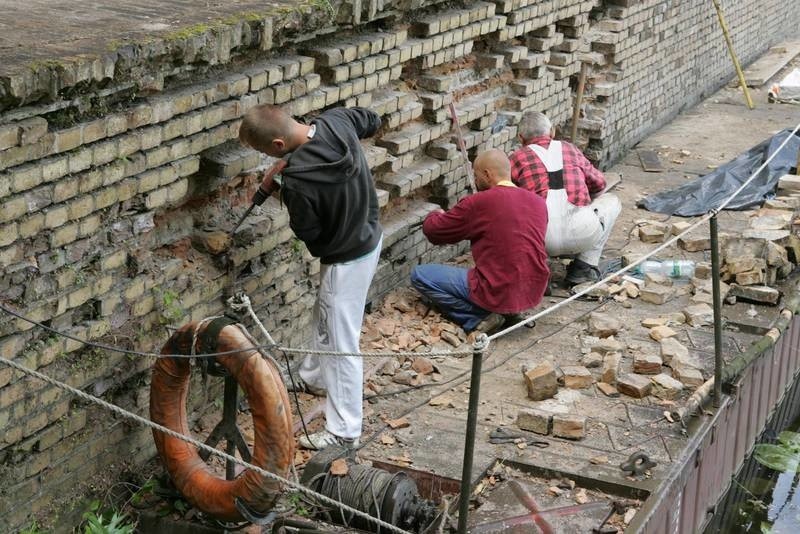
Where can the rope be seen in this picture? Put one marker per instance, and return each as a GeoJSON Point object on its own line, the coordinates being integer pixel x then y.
{"type": "Point", "coordinates": [200, 445]}
{"type": "Point", "coordinates": [641, 259]}
{"type": "Point", "coordinates": [269, 346]}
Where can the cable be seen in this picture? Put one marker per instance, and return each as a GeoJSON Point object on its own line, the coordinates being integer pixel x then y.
{"type": "Point", "coordinates": [200, 445]}
{"type": "Point", "coordinates": [131, 352]}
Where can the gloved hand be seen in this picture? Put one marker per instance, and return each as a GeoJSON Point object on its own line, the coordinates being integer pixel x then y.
{"type": "Point", "coordinates": [269, 184]}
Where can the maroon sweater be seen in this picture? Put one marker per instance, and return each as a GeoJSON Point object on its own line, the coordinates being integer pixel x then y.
{"type": "Point", "coordinates": [506, 228]}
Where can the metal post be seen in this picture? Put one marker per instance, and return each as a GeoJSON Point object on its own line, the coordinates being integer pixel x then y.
{"type": "Point", "coordinates": [469, 441]}
{"type": "Point", "coordinates": [717, 312]}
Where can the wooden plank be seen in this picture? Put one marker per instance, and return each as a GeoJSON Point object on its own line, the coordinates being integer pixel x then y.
{"type": "Point", "coordinates": [613, 179]}
{"type": "Point", "coordinates": [761, 70]}
{"type": "Point", "coordinates": [650, 161]}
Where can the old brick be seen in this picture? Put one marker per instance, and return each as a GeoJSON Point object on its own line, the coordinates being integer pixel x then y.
{"type": "Point", "coordinates": [603, 325]}
{"type": "Point", "coordinates": [535, 420]}
{"type": "Point", "coordinates": [672, 348]}
{"type": "Point", "coordinates": [647, 364]}
{"type": "Point", "coordinates": [688, 376]}
{"type": "Point", "coordinates": [541, 382]}
{"type": "Point", "coordinates": [611, 364]}
{"type": "Point", "coordinates": [608, 390]}
{"type": "Point", "coordinates": [576, 377]}
{"type": "Point", "coordinates": [569, 426]}
{"type": "Point", "coordinates": [634, 385]}
{"type": "Point", "coordinates": [666, 387]}
{"type": "Point", "coordinates": [657, 294]}
{"type": "Point", "coordinates": [661, 332]}
{"type": "Point", "coordinates": [760, 294]}
{"type": "Point", "coordinates": [699, 315]}
{"type": "Point", "coordinates": [694, 244]}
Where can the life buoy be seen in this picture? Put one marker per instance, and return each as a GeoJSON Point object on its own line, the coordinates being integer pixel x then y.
{"type": "Point", "coordinates": [273, 448]}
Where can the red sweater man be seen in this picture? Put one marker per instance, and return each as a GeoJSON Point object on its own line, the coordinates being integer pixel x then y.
{"type": "Point", "coordinates": [506, 227]}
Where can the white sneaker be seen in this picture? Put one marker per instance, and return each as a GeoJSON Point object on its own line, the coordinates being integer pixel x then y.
{"type": "Point", "coordinates": [323, 438]}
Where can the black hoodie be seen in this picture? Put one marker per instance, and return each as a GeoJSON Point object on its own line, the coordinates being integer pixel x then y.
{"type": "Point", "coordinates": [328, 187]}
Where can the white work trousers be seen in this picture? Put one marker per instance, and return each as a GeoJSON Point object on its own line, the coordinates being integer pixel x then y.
{"type": "Point", "coordinates": [338, 314]}
{"type": "Point", "coordinates": [580, 231]}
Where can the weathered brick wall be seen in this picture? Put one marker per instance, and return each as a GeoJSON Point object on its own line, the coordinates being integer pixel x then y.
{"type": "Point", "coordinates": [655, 58]}
{"type": "Point", "coordinates": [113, 170]}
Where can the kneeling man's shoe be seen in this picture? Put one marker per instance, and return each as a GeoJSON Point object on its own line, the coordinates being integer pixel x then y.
{"type": "Point", "coordinates": [580, 272]}
{"type": "Point", "coordinates": [492, 322]}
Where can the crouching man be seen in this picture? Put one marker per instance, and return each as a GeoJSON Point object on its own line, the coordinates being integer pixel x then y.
{"type": "Point", "coordinates": [506, 228]}
{"type": "Point", "coordinates": [560, 173]}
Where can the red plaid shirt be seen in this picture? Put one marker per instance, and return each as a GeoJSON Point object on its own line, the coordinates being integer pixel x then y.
{"type": "Point", "coordinates": [581, 178]}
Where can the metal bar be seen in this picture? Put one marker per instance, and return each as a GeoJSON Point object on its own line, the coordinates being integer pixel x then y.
{"type": "Point", "coordinates": [735, 59]}
{"type": "Point", "coordinates": [533, 507]}
{"type": "Point", "coordinates": [716, 292]}
{"type": "Point", "coordinates": [469, 441]}
{"type": "Point", "coordinates": [462, 146]}
{"type": "Point", "coordinates": [576, 112]}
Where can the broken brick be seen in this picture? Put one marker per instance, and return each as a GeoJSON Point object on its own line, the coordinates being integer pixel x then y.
{"type": "Point", "coordinates": [577, 377]}
{"type": "Point", "coordinates": [541, 382]}
{"type": "Point", "coordinates": [634, 385]}
{"type": "Point", "coordinates": [602, 325]}
{"type": "Point", "coordinates": [656, 294]}
{"type": "Point", "coordinates": [662, 332]}
{"type": "Point", "coordinates": [666, 387]}
{"type": "Point", "coordinates": [608, 390]}
{"type": "Point", "coordinates": [699, 315]}
{"type": "Point", "coordinates": [569, 426]}
{"type": "Point", "coordinates": [534, 420]}
{"type": "Point", "coordinates": [611, 364]}
{"type": "Point", "coordinates": [647, 364]}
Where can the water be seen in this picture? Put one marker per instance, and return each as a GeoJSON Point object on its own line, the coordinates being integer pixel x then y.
{"type": "Point", "coordinates": [762, 499]}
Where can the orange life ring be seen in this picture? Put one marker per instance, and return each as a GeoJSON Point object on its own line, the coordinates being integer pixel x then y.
{"type": "Point", "coordinates": [273, 448]}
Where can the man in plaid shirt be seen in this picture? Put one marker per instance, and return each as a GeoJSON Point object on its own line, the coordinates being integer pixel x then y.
{"type": "Point", "coordinates": [559, 172]}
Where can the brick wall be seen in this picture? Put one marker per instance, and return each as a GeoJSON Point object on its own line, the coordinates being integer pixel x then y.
{"type": "Point", "coordinates": [115, 169]}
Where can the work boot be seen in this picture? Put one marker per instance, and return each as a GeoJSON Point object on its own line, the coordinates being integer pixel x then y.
{"type": "Point", "coordinates": [513, 318]}
{"type": "Point", "coordinates": [492, 322]}
{"type": "Point", "coordinates": [580, 272]}
{"type": "Point", "coordinates": [301, 386]}
{"type": "Point", "coordinates": [319, 440]}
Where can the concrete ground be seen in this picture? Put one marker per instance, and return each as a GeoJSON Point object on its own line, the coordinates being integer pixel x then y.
{"type": "Point", "coordinates": [709, 134]}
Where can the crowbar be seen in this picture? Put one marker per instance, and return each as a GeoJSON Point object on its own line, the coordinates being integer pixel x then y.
{"type": "Point", "coordinates": [462, 146]}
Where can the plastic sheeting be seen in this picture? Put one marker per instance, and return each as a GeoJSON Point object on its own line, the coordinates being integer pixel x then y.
{"type": "Point", "coordinates": [707, 192]}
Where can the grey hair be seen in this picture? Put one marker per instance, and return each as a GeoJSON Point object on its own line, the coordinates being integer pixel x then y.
{"type": "Point", "coordinates": [534, 124]}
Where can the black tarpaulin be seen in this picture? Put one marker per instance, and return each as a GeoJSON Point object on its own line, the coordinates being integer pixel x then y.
{"type": "Point", "coordinates": [707, 192]}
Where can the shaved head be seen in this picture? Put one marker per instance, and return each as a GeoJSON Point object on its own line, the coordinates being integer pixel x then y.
{"type": "Point", "coordinates": [491, 167]}
{"type": "Point", "coordinates": [263, 125]}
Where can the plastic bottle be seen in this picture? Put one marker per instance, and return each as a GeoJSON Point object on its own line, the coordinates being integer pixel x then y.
{"type": "Point", "coordinates": [682, 269]}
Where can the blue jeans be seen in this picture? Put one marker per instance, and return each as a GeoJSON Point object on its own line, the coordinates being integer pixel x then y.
{"type": "Point", "coordinates": [448, 289]}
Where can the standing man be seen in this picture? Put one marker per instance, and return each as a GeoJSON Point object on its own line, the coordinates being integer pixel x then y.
{"type": "Point", "coordinates": [328, 189]}
{"type": "Point", "coordinates": [506, 227]}
{"type": "Point", "coordinates": [560, 173]}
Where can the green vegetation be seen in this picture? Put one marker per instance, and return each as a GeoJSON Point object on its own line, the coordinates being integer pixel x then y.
{"type": "Point", "coordinates": [97, 521]}
{"type": "Point", "coordinates": [171, 309]}
{"type": "Point", "coordinates": [783, 456]}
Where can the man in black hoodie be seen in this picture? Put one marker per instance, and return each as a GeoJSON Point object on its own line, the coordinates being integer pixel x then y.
{"type": "Point", "coordinates": [328, 189]}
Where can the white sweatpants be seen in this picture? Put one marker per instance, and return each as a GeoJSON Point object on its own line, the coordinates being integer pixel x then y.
{"type": "Point", "coordinates": [580, 231]}
{"type": "Point", "coordinates": [338, 314]}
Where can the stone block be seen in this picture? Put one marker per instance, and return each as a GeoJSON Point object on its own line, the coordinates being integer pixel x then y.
{"type": "Point", "coordinates": [750, 278]}
{"type": "Point", "coordinates": [699, 315]}
{"type": "Point", "coordinates": [634, 385]}
{"type": "Point", "coordinates": [576, 377]}
{"type": "Point", "coordinates": [759, 294]}
{"type": "Point", "coordinates": [534, 420]}
{"type": "Point", "coordinates": [688, 376]}
{"type": "Point", "coordinates": [569, 426]}
{"type": "Point", "coordinates": [789, 182]}
{"type": "Point", "coordinates": [654, 232]}
{"type": "Point", "coordinates": [647, 364]}
{"type": "Point", "coordinates": [608, 390]}
{"type": "Point", "coordinates": [662, 332]}
{"type": "Point", "coordinates": [541, 382]}
{"type": "Point", "coordinates": [672, 348]}
{"type": "Point", "coordinates": [694, 244]}
{"type": "Point", "coordinates": [602, 325]}
{"type": "Point", "coordinates": [592, 360]}
{"type": "Point", "coordinates": [611, 363]}
{"type": "Point", "coordinates": [657, 279]}
{"type": "Point", "coordinates": [666, 387]}
{"type": "Point", "coordinates": [656, 294]}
